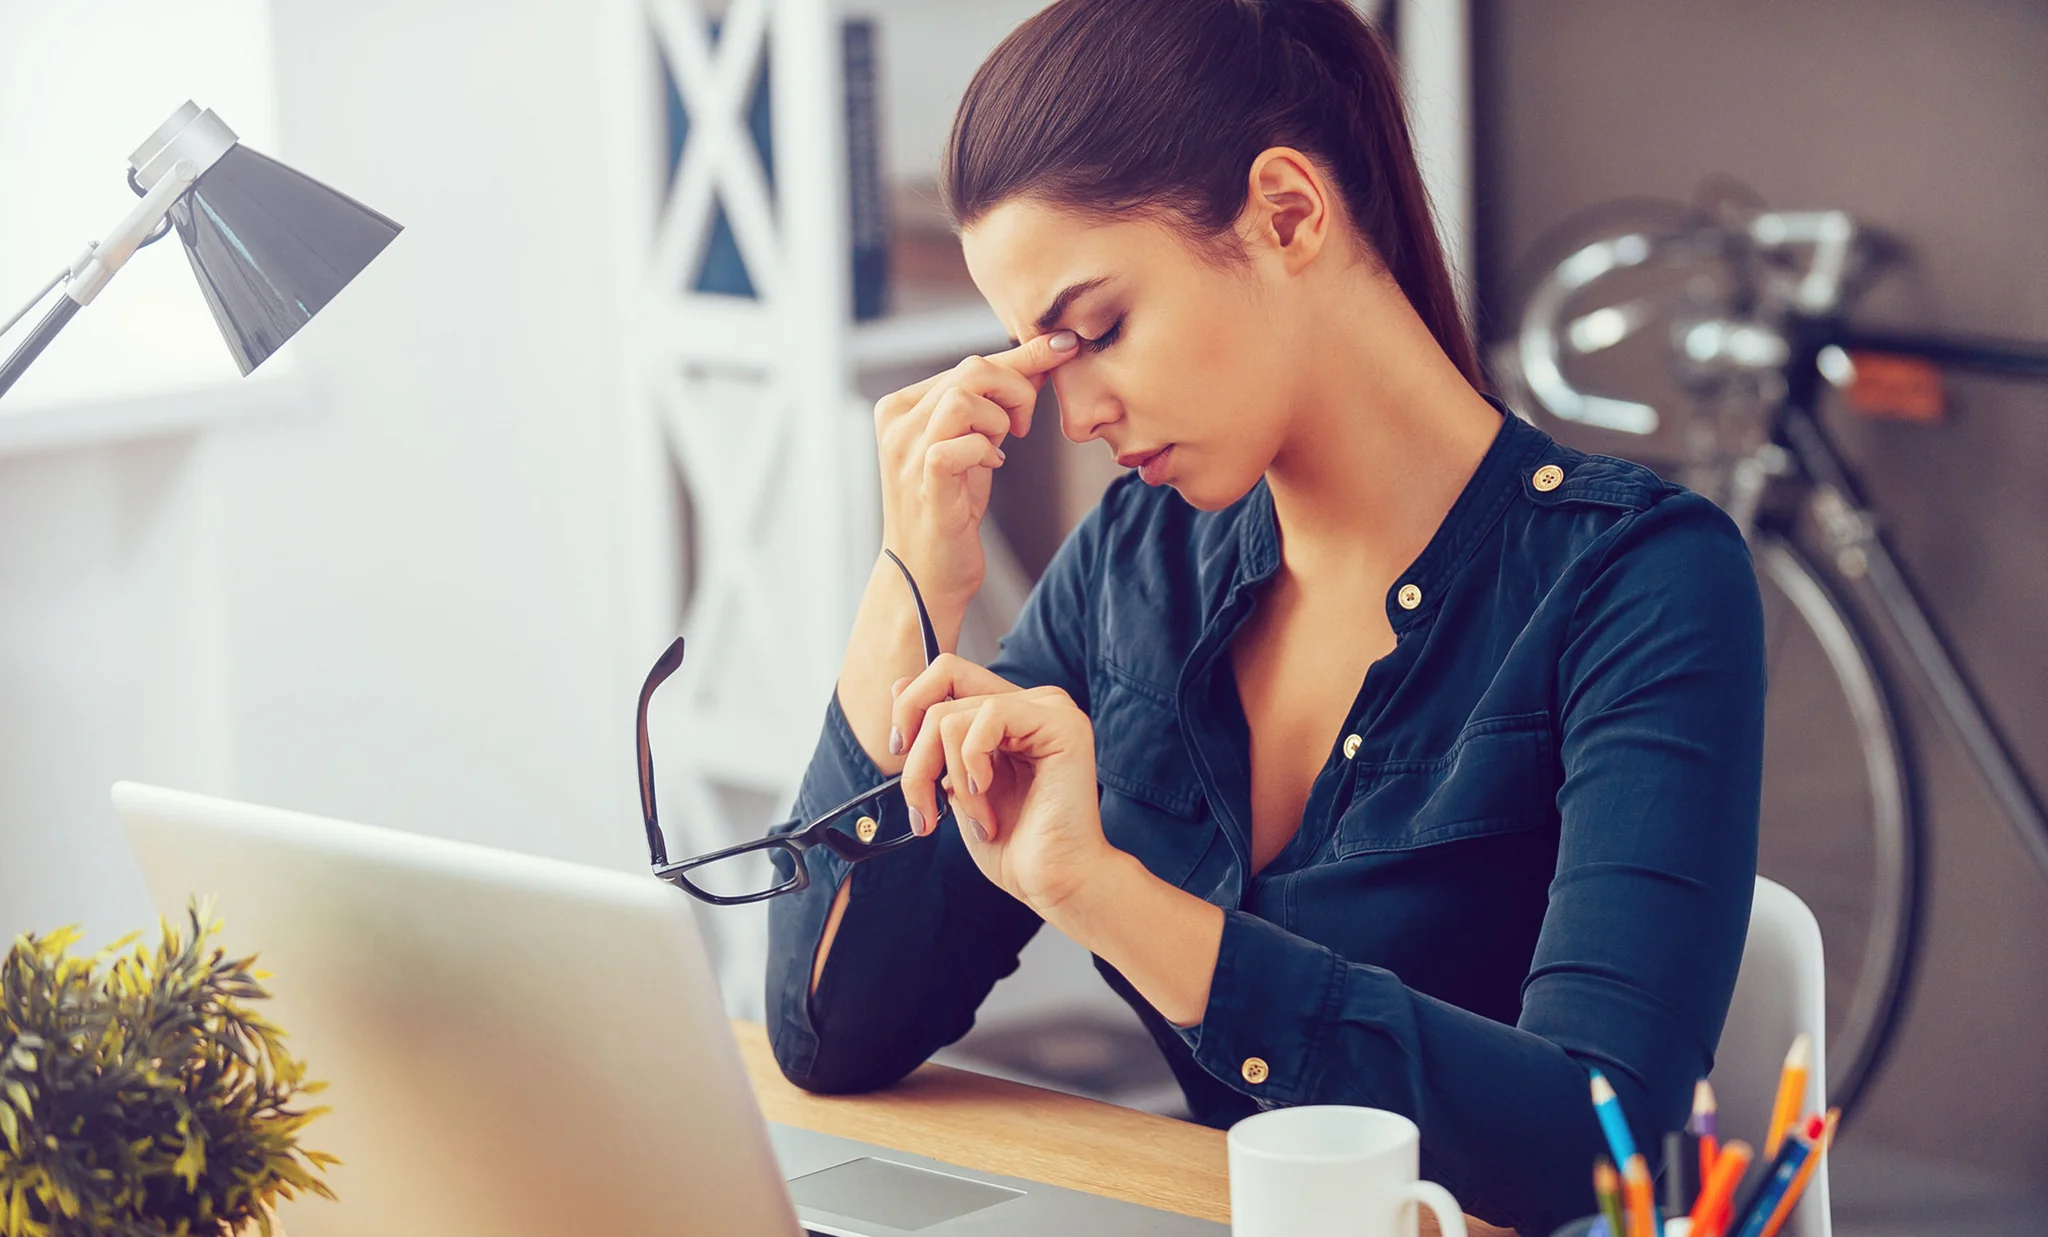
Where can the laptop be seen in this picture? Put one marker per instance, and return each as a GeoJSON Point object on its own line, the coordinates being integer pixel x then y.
{"type": "Point", "coordinates": [521, 1046]}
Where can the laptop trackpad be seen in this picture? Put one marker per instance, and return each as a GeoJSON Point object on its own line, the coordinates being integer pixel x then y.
{"type": "Point", "coordinates": [902, 1197]}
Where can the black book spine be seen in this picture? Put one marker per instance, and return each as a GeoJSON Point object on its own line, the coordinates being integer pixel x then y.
{"type": "Point", "coordinates": [866, 183]}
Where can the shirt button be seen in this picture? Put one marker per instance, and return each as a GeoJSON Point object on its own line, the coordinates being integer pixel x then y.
{"type": "Point", "coordinates": [865, 828]}
{"type": "Point", "coordinates": [1547, 478]}
{"type": "Point", "coordinates": [1351, 743]}
{"type": "Point", "coordinates": [1409, 597]}
{"type": "Point", "coordinates": [1254, 1070]}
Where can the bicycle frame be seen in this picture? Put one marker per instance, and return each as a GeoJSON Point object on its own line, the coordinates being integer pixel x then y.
{"type": "Point", "coordinates": [1867, 563]}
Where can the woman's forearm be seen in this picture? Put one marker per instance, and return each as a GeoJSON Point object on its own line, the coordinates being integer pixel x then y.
{"type": "Point", "coordinates": [887, 645]}
{"type": "Point", "coordinates": [1163, 939]}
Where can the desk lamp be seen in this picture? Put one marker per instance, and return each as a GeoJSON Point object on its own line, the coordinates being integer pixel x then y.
{"type": "Point", "coordinates": [270, 246]}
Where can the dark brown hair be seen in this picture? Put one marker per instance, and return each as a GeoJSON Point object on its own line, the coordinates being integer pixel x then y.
{"type": "Point", "coordinates": [1103, 107]}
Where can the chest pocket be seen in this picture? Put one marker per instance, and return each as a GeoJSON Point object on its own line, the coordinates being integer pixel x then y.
{"type": "Point", "coordinates": [1152, 802]}
{"type": "Point", "coordinates": [1498, 776]}
{"type": "Point", "coordinates": [1139, 751]}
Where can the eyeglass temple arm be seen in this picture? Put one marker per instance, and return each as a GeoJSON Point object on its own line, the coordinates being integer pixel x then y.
{"type": "Point", "coordinates": [657, 846]}
{"type": "Point", "coordinates": [924, 618]}
{"type": "Point", "coordinates": [931, 651]}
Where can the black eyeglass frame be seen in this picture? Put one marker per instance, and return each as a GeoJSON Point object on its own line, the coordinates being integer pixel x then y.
{"type": "Point", "coordinates": [818, 832]}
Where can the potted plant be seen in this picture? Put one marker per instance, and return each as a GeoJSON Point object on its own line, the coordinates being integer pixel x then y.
{"type": "Point", "coordinates": [141, 1096]}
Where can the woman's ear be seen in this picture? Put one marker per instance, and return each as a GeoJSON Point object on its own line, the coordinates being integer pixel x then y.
{"type": "Point", "coordinates": [1288, 208]}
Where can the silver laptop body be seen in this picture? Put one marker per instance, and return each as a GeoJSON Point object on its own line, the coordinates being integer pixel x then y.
{"type": "Point", "coordinates": [526, 1047]}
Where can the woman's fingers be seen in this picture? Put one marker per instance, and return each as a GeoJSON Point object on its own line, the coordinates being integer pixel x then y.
{"type": "Point", "coordinates": [959, 412]}
{"type": "Point", "coordinates": [947, 462]}
{"type": "Point", "coordinates": [923, 765]}
{"type": "Point", "coordinates": [1004, 385]}
{"type": "Point", "coordinates": [970, 792]}
{"type": "Point", "coordinates": [1037, 355]}
{"type": "Point", "coordinates": [951, 676]}
{"type": "Point", "coordinates": [960, 740]}
{"type": "Point", "coordinates": [1010, 379]}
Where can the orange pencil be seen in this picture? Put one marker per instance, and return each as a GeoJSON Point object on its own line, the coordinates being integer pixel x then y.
{"type": "Point", "coordinates": [1710, 1210]}
{"type": "Point", "coordinates": [1791, 1089]}
{"type": "Point", "coordinates": [1798, 1186]}
{"type": "Point", "coordinates": [1635, 1181]}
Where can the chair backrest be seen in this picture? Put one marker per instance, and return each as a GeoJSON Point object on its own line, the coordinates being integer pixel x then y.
{"type": "Point", "coordinates": [1779, 992]}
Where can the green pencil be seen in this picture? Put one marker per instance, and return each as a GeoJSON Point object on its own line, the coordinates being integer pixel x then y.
{"type": "Point", "coordinates": [1607, 1188]}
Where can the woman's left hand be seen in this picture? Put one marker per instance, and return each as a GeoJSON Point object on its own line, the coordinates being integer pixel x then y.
{"type": "Point", "coordinates": [1019, 767]}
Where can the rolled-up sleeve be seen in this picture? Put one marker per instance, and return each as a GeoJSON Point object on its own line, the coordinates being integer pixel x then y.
{"type": "Point", "coordinates": [925, 935]}
{"type": "Point", "coordinates": [1660, 707]}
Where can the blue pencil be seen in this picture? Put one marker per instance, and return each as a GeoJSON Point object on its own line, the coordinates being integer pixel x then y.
{"type": "Point", "coordinates": [1790, 1157]}
{"type": "Point", "coordinates": [1608, 1108]}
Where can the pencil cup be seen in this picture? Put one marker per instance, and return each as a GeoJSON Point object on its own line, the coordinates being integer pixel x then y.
{"type": "Point", "coordinates": [1330, 1170]}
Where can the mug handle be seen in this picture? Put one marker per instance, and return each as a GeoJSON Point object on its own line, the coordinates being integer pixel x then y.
{"type": "Point", "coordinates": [1450, 1218]}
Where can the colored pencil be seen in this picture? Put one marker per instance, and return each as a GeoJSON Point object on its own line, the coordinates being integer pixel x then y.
{"type": "Point", "coordinates": [1608, 1109]}
{"type": "Point", "coordinates": [1607, 1188]}
{"type": "Point", "coordinates": [1681, 1173]}
{"type": "Point", "coordinates": [1791, 1091]}
{"type": "Point", "coordinates": [1821, 1143]}
{"type": "Point", "coordinates": [1642, 1209]}
{"type": "Point", "coordinates": [1791, 1158]}
{"type": "Point", "coordinates": [1710, 1211]}
{"type": "Point", "coordinates": [1703, 1125]}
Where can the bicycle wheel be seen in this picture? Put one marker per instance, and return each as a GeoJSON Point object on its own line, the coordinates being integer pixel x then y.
{"type": "Point", "coordinates": [1840, 823]}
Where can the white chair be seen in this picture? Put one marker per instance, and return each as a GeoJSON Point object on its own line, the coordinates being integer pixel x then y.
{"type": "Point", "coordinates": [1779, 992]}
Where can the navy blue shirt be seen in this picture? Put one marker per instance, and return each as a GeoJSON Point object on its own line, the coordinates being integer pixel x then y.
{"type": "Point", "coordinates": [1529, 852]}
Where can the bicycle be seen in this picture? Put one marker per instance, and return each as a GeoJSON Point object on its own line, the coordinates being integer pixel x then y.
{"type": "Point", "coordinates": [1737, 317]}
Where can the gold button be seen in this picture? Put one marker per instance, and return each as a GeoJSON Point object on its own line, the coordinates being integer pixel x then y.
{"type": "Point", "coordinates": [1548, 478]}
{"type": "Point", "coordinates": [866, 828]}
{"type": "Point", "coordinates": [1409, 597]}
{"type": "Point", "coordinates": [1254, 1071]}
{"type": "Point", "coordinates": [1351, 743]}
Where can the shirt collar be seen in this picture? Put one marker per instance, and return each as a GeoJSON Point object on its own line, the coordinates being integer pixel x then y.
{"type": "Point", "coordinates": [1493, 485]}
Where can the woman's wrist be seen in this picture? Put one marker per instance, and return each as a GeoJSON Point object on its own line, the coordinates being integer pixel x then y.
{"type": "Point", "coordinates": [1163, 939]}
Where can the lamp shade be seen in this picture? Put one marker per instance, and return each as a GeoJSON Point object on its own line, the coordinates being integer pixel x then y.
{"type": "Point", "coordinates": [271, 247]}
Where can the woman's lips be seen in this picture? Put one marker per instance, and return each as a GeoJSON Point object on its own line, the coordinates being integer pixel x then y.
{"type": "Point", "coordinates": [1152, 468]}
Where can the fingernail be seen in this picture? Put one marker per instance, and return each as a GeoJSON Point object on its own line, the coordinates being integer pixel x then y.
{"type": "Point", "coordinates": [1063, 341]}
{"type": "Point", "coordinates": [972, 789]}
{"type": "Point", "coordinates": [895, 740]}
{"type": "Point", "coordinates": [1000, 457]}
{"type": "Point", "coordinates": [976, 826]}
{"type": "Point", "coordinates": [916, 820]}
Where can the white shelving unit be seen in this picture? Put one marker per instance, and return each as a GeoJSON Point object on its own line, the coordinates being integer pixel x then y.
{"type": "Point", "coordinates": [752, 492]}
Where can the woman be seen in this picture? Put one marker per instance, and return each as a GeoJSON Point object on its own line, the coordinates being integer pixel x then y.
{"type": "Point", "coordinates": [1382, 750]}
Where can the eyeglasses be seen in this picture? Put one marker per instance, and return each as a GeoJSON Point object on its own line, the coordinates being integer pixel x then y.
{"type": "Point", "coordinates": [760, 869]}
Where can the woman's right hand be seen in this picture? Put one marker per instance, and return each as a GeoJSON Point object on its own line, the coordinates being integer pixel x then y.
{"type": "Point", "coordinates": [939, 441]}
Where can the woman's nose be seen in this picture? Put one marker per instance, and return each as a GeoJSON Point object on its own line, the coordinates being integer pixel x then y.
{"type": "Point", "coordinates": [1085, 408]}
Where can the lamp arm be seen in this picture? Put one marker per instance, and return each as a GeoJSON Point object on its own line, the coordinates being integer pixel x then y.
{"type": "Point", "coordinates": [93, 269]}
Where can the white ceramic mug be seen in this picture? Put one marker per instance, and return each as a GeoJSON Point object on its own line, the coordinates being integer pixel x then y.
{"type": "Point", "coordinates": [1331, 1170]}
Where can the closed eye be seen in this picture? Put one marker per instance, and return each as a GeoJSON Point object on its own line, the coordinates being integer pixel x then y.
{"type": "Point", "coordinates": [1107, 338]}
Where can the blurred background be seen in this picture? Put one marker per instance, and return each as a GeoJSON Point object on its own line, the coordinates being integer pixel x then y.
{"type": "Point", "coordinates": [613, 381]}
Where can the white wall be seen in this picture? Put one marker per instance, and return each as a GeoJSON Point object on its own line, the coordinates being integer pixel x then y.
{"type": "Point", "coordinates": [399, 600]}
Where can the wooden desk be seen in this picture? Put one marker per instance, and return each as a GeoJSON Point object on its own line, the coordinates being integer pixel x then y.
{"type": "Point", "coordinates": [1006, 1127]}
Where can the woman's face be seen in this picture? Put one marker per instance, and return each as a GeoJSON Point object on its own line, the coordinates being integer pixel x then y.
{"type": "Point", "coordinates": [1176, 351]}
